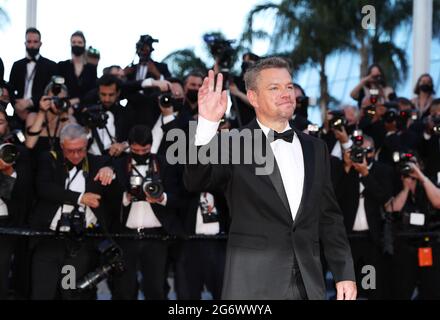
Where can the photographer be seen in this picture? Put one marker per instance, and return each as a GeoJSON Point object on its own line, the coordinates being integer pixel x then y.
{"type": "Point", "coordinates": [147, 67]}
{"type": "Point", "coordinates": [150, 192]}
{"type": "Point", "coordinates": [425, 93]}
{"type": "Point", "coordinates": [363, 187]}
{"type": "Point", "coordinates": [15, 199]}
{"type": "Point", "coordinates": [191, 85]}
{"type": "Point", "coordinates": [430, 143]}
{"type": "Point", "coordinates": [300, 116]}
{"type": "Point", "coordinates": [70, 184]}
{"type": "Point", "coordinates": [79, 74]}
{"type": "Point", "coordinates": [43, 127]}
{"type": "Point", "coordinates": [108, 122]}
{"type": "Point", "coordinates": [416, 259]}
{"type": "Point", "coordinates": [375, 79]}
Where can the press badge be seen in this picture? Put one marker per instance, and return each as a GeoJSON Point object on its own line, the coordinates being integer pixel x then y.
{"type": "Point", "coordinates": [425, 257]}
{"type": "Point", "coordinates": [417, 219]}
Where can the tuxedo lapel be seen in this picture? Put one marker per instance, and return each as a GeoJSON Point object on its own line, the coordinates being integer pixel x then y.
{"type": "Point", "coordinates": [274, 176]}
{"type": "Point", "coordinates": [309, 171]}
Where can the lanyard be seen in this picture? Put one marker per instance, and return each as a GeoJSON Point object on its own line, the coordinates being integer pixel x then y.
{"type": "Point", "coordinates": [69, 182]}
{"type": "Point", "coordinates": [52, 138]}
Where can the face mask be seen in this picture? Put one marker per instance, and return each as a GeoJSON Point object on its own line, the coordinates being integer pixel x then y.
{"type": "Point", "coordinates": [78, 50]}
{"type": "Point", "coordinates": [427, 88]}
{"type": "Point", "coordinates": [192, 95]}
{"type": "Point", "coordinates": [33, 52]}
{"type": "Point", "coordinates": [140, 158]}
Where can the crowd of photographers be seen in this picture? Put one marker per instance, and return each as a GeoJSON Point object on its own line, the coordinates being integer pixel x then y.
{"type": "Point", "coordinates": [84, 159]}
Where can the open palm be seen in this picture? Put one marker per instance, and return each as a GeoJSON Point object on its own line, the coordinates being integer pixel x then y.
{"type": "Point", "coordinates": [212, 100]}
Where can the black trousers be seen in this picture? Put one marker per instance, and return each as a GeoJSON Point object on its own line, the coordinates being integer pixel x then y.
{"type": "Point", "coordinates": [406, 274]}
{"type": "Point", "coordinates": [201, 262]}
{"type": "Point", "coordinates": [148, 256]}
{"type": "Point", "coordinates": [367, 253]}
{"type": "Point", "coordinates": [7, 248]}
{"type": "Point", "coordinates": [49, 258]}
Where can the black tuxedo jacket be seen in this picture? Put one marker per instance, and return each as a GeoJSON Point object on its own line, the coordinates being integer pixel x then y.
{"type": "Point", "coordinates": [44, 71]}
{"type": "Point", "coordinates": [171, 181]}
{"type": "Point", "coordinates": [50, 183]}
{"type": "Point", "coordinates": [378, 190]}
{"type": "Point", "coordinates": [162, 67]}
{"type": "Point", "coordinates": [263, 238]}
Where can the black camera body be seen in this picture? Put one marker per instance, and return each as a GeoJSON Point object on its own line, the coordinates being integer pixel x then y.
{"type": "Point", "coordinates": [391, 115]}
{"type": "Point", "coordinates": [221, 50]}
{"type": "Point", "coordinates": [62, 104]}
{"type": "Point", "coordinates": [93, 117]}
{"type": "Point", "coordinates": [139, 186]}
{"type": "Point", "coordinates": [112, 263]}
{"type": "Point", "coordinates": [73, 222]}
{"type": "Point", "coordinates": [166, 100]}
{"type": "Point", "coordinates": [8, 149]}
{"type": "Point", "coordinates": [402, 161]}
{"type": "Point", "coordinates": [436, 127]}
{"type": "Point", "coordinates": [338, 121]}
{"type": "Point", "coordinates": [357, 152]}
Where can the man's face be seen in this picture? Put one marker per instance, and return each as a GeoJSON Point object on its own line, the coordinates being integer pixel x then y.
{"type": "Point", "coordinates": [145, 52]}
{"type": "Point", "coordinates": [3, 124]}
{"type": "Point", "coordinates": [139, 149]}
{"type": "Point", "coordinates": [108, 95]}
{"type": "Point", "coordinates": [77, 41]}
{"type": "Point", "coordinates": [274, 98]}
{"type": "Point", "coordinates": [350, 115]}
{"type": "Point", "coordinates": [193, 83]}
{"type": "Point", "coordinates": [74, 150]}
{"type": "Point", "coordinates": [33, 41]}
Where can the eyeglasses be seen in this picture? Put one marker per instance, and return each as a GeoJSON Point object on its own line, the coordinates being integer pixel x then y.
{"type": "Point", "coordinates": [75, 151]}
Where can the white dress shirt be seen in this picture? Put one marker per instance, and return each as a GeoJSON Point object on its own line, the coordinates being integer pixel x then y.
{"type": "Point", "coordinates": [360, 222]}
{"type": "Point", "coordinates": [142, 71]}
{"type": "Point", "coordinates": [211, 228]}
{"type": "Point", "coordinates": [157, 131]}
{"type": "Point", "coordinates": [289, 158]}
{"type": "Point", "coordinates": [3, 207]}
{"type": "Point", "coordinates": [29, 80]}
{"type": "Point", "coordinates": [78, 184]}
{"type": "Point", "coordinates": [105, 138]}
{"type": "Point", "coordinates": [141, 214]}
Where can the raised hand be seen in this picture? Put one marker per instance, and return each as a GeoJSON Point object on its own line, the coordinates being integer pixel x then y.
{"type": "Point", "coordinates": [212, 100]}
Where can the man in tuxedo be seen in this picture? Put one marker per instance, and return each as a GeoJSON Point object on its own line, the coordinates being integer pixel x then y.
{"type": "Point", "coordinates": [145, 213]}
{"type": "Point", "coordinates": [362, 188]}
{"type": "Point", "coordinates": [279, 218]}
{"type": "Point", "coordinates": [29, 76]}
{"type": "Point", "coordinates": [147, 67]}
{"type": "Point", "coordinates": [67, 182]}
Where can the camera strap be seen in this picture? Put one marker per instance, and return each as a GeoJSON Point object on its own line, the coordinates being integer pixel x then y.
{"type": "Point", "coordinates": [98, 140]}
{"type": "Point", "coordinates": [50, 137]}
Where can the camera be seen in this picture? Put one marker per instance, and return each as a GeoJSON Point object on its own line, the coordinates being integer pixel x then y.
{"type": "Point", "coordinates": [208, 217]}
{"type": "Point", "coordinates": [73, 222]}
{"type": "Point", "coordinates": [112, 263]}
{"type": "Point", "coordinates": [93, 117]}
{"type": "Point", "coordinates": [62, 104]}
{"type": "Point", "coordinates": [149, 184]}
{"type": "Point", "coordinates": [391, 115]}
{"type": "Point", "coordinates": [402, 161]}
{"type": "Point", "coordinates": [374, 96]}
{"type": "Point", "coordinates": [93, 53]}
{"type": "Point", "coordinates": [57, 84]}
{"type": "Point", "coordinates": [405, 115]}
{"type": "Point", "coordinates": [357, 152]}
{"type": "Point", "coordinates": [338, 121]}
{"type": "Point", "coordinates": [166, 100]}
{"type": "Point", "coordinates": [221, 50]}
{"type": "Point", "coordinates": [8, 149]}
{"type": "Point", "coordinates": [314, 130]}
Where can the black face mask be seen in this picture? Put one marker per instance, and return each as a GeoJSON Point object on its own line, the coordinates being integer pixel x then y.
{"type": "Point", "coordinates": [427, 88]}
{"type": "Point", "coordinates": [192, 95]}
{"type": "Point", "coordinates": [32, 52]}
{"type": "Point", "coordinates": [140, 159]}
{"type": "Point", "coordinates": [78, 50]}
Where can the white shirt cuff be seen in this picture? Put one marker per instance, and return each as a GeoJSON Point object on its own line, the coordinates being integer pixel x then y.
{"type": "Point", "coordinates": [426, 136]}
{"type": "Point", "coordinates": [206, 130]}
{"type": "Point", "coordinates": [79, 199]}
{"type": "Point", "coordinates": [164, 201]}
{"type": "Point", "coordinates": [347, 145]}
{"type": "Point", "coordinates": [147, 83]}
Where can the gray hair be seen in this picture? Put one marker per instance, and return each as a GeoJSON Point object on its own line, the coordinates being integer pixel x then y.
{"type": "Point", "coordinates": [73, 131]}
{"type": "Point", "coordinates": [252, 74]}
{"type": "Point", "coordinates": [51, 85]}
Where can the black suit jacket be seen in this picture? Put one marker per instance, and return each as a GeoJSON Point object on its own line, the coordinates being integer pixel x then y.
{"type": "Point", "coordinates": [378, 190]}
{"type": "Point", "coordinates": [263, 238]}
{"type": "Point", "coordinates": [172, 184]}
{"type": "Point", "coordinates": [45, 69]}
{"type": "Point", "coordinates": [162, 67]}
{"type": "Point", "coordinates": [50, 184]}
{"type": "Point", "coordinates": [78, 87]}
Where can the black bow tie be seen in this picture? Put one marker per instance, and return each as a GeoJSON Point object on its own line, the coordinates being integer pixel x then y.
{"type": "Point", "coordinates": [29, 60]}
{"type": "Point", "coordinates": [286, 135]}
{"type": "Point", "coordinates": [70, 165]}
